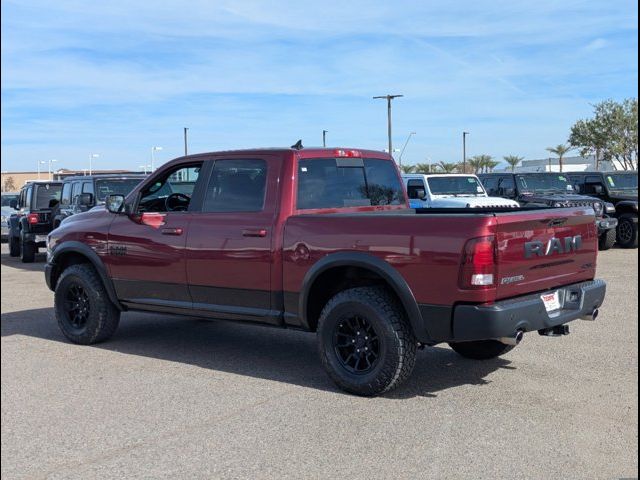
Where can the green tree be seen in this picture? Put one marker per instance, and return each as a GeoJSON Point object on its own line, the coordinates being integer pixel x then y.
{"type": "Point", "coordinates": [448, 167]}
{"type": "Point", "coordinates": [513, 161]}
{"type": "Point", "coordinates": [407, 168]}
{"type": "Point", "coordinates": [475, 163]}
{"type": "Point", "coordinates": [612, 133]}
{"type": "Point", "coordinates": [9, 184]}
{"type": "Point", "coordinates": [483, 163]}
{"type": "Point", "coordinates": [559, 150]}
{"type": "Point", "coordinates": [423, 168]}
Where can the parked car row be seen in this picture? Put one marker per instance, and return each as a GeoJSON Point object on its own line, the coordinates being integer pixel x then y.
{"type": "Point", "coordinates": [42, 206]}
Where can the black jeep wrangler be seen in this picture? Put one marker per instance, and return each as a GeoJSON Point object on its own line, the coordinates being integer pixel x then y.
{"type": "Point", "coordinates": [620, 189]}
{"type": "Point", "coordinates": [29, 227]}
{"type": "Point", "coordinates": [82, 193]}
{"type": "Point", "coordinates": [552, 190]}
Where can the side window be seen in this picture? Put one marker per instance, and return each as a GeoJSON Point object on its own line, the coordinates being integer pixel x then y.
{"type": "Point", "coordinates": [236, 186]}
{"type": "Point", "coordinates": [75, 191]}
{"type": "Point", "coordinates": [87, 187]}
{"type": "Point", "coordinates": [66, 194]}
{"type": "Point", "coordinates": [170, 192]}
{"type": "Point", "coordinates": [27, 198]}
{"type": "Point", "coordinates": [506, 183]}
{"type": "Point", "coordinates": [413, 187]}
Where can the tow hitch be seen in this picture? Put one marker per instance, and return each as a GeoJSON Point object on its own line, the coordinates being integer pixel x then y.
{"type": "Point", "coordinates": [557, 331]}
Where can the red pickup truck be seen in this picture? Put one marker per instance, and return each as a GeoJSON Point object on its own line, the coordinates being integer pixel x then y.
{"type": "Point", "coordinates": [323, 240]}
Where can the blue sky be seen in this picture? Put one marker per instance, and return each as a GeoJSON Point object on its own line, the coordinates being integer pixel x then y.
{"type": "Point", "coordinates": [116, 78]}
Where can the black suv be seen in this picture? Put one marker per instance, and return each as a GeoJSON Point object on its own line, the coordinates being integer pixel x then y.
{"type": "Point", "coordinates": [29, 227]}
{"type": "Point", "coordinates": [82, 193]}
{"type": "Point", "coordinates": [554, 190]}
{"type": "Point", "coordinates": [619, 188]}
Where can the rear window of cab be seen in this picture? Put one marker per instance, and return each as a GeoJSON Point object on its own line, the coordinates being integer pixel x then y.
{"type": "Point", "coordinates": [347, 182]}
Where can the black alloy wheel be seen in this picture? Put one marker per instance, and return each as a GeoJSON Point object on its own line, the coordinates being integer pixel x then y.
{"type": "Point", "coordinates": [77, 306]}
{"type": "Point", "coordinates": [356, 344]}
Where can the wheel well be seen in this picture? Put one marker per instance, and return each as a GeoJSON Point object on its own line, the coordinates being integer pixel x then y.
{"type": "Point", "coordinates": [627, 209]}
{"type": "Point", "coordinates": [335, 280]}
{"type": "Point", "coordinates": [64, 261]}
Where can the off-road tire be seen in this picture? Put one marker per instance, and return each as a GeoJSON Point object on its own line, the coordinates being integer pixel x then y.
{"type": "Point", "coordinates": [103, 316]}
{"type": "Point", "coordinates": [397, 343]}
{"type": "Point", "coordinates": [14, 245]}
{"type": "Point", "coordinates": [28, 251]}
{"type": "Point", "coordinates": [482, 349]}
{"type": "Point", "coordinates": [607, 239]}
{"type": "Point", "coordinates": [628, 231]}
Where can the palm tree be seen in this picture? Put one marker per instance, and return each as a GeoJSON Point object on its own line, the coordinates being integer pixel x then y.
{"type": "Point", "coordinates": [483, 163]}
{"type": "Point", "coordinates": [475, 163]}
{"type": "Point", "coordinates": [407, 168]}
{"type": "Point", "coordinates": [513, 161]}
{"type": "Point", "coordinates": [422, 168]}
{"type": "Point", "coordinates": [447, 167]}
{"type": "Point", "coordinates": [559, 150]}
{"type": "Point", "coordinates": [489, 165]}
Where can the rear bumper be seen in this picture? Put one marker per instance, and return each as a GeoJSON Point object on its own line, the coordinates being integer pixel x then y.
{"type": "Point", "coordinates": [466, 323]}
{"type": "Point", "coordinates": [505, 318]}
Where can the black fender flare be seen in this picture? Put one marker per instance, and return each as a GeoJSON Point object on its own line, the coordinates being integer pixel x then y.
{"type": "Point", "coordinates": [369, 262]}
{"type": "Point", "coordinates": [627, 206]}
{"type": "Point", "coordinates": [84, 250]}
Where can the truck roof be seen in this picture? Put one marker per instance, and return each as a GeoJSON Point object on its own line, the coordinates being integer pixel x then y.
{"type": "Point", "coordinates": [103, 176]}
{"type": "Point", "coordinates": [438, 175]}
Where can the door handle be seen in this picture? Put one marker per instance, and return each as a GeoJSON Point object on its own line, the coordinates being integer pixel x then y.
{"type": "Point", "coordinates": [171, 231]}
{"type": "Point", "coordinates": [258, 232]}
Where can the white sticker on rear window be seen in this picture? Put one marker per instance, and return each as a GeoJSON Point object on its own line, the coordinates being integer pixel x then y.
{"type": "Point", "coordinates": [303, 169]}
{"type": "Point", "coordinates": [560, 177]}
{"type": "Point", "coordinates": [611, 182]}
{"type": "Point", "coordinates": [471, 180]}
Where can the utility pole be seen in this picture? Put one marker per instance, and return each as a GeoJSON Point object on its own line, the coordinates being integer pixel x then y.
{"type": "Point", "coordinates": [324, 137]}
{"type": "Point", "coordinates": [389, 98]}
{"type": "Point", "coordinates": [464, 151]}
{"type": "Point", "coordinates": [185, 141]}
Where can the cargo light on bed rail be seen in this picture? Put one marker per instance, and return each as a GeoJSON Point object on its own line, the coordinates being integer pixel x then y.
{"type": "Point", "coordinates": [347, 153]}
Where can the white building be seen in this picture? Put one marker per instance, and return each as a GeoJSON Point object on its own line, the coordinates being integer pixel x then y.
{"type": "Point", "coordinates": [569, 164]}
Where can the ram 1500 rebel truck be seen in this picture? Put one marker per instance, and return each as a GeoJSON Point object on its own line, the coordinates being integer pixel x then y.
{"type": "Point", "coordinates": [323, 240]}
{"type": "Point", "coordinates": [554, 190]}
{"type": "Point", "coordinates": [619, 188]}
{"type": "Point", "coordinates": [450, 190]}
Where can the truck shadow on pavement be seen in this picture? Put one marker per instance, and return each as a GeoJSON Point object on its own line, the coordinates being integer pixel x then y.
{"type": "Point", "coordinates": [261, 352]}
{"type": "Point", "coordinates": [15, 262]}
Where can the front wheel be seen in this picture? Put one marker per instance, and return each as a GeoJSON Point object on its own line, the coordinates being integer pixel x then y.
{"type": "Point", "coordinates": [482, 349]}
{"type": "Point", "coordinates": [83, 309]}
{"type": "Point", "coordinates": [628, 231]}
{"type": "Point", "coordinates": [607, 239]}
{"type": "Point", "coordinates": [365, 341]}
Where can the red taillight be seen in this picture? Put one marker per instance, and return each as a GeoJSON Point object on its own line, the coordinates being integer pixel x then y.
{"type": "Point", "coordinates": [478, 269]}
{"type": "Point", "coordinates": [33, 218]}
{"type": "Point", "coordinates": [347, 153]}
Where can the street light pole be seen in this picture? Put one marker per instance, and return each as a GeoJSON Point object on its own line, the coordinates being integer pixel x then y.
{"type": "Point", "coordinates": [91, 157]}
{"type": "Point", "coordinates": [464, 151]}
{"type": "Point", "coordinates": [389, 98]}
{"type": "Point", "coordinates": [40, 162]}
{"type": "Point", "coordinates": [154, 149]}
{"type": "Point", "coordinates": [50, 162]}
{"type": "Point", "coordinates": [185, 141]}
{"type": "Point", "coordinates": [324, 137]}
{"type": "Point", "coordinates": [404, 146]}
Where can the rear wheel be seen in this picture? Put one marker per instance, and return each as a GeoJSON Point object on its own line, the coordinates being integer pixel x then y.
{"type": "Point", "coordinates": [628, 231]}
{"type": "Point", "coordinates": [14, 245]}
{"type": "Point", "coordinates": [481, 350]}
{"type": "Point", "coordinates": [28, 251]}
{"type": "Point", "coordinates": [83, 309]}
{"type": "Point", "coordinates": [366, 343]}
{"type": "Point", "coordinates": [607, 239]}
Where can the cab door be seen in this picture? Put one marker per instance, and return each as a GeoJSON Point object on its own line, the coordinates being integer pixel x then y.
{"type": "Point", "coordinates": [146, 248]}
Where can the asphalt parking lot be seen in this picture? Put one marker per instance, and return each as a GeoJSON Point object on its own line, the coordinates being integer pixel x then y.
{"type": "Point", "coordinates": [187, 398]}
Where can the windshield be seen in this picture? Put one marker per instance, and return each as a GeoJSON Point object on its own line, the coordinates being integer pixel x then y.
{"type": "Point", "coordinates": [456, 186]}
{"type": "Point", "coordinates": [616, 182]}
{"type": "Point", "coordinates": [6, 199]}
{"type": "Point", "coordinates": [544, 183]}
{"type": "Point", "coordinates": [115, 186]}
{"type": "Point", "coordinates": [47, 195]}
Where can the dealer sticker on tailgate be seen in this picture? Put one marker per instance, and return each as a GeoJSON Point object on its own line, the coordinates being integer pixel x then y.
{"type": "Point", "coordinates": [551, 301]}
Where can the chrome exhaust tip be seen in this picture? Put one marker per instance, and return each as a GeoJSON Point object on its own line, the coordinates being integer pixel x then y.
{"type": "Point", "coordinates": [513, 341]}
{"type": "Point", "coordinates": [592, 316]}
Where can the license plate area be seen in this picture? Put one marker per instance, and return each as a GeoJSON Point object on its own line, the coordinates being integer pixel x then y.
{"type": "Point", "coordinates": [551, 301]}
{"type": "Point", "coordinates": [41, 238]}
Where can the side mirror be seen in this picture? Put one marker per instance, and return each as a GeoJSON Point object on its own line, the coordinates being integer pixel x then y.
{"type": "Point", "coordinates": [84, 199]}
{"type": "Point", "coordinates": [115, 203]}
{"type": "Point", "coordinates": [13, 204]}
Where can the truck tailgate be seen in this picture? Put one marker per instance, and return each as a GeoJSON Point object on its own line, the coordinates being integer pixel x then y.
{"type": "Point", "coordinates": [544, 249]}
